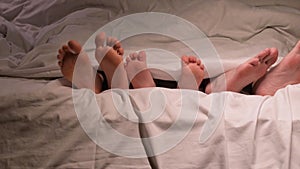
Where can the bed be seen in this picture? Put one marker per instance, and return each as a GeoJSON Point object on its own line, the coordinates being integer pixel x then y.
{"type": "Point", "coordinates": [47, 124]}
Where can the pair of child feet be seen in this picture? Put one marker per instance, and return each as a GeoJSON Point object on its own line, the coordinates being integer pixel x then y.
{"type": "Point", "coordinates": [135, 69]}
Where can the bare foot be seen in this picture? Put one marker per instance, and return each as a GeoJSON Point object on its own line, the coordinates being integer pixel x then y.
{"type": "Point", "coordinates": [137, 70]}
{"type": "Point", "coordinates": [287, 72]}
{"type": "Point", "coordinates": [68, 55]}
{"type": "Point", "coordinates": [111, 61]}
{"type": "Point", "coordinates": [250, 71]}
{"type": "Point", "coordinates": [192, 73]}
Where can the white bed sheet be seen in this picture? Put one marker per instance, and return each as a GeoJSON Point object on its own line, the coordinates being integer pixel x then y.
{"type": "Point", "coordinates": [40, 129]}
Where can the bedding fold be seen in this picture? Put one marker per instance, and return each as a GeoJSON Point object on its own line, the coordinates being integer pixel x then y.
{"type": "Point", "coordinates": [30, 27]}
{"type": "Point", "coordinates": [176, 128]}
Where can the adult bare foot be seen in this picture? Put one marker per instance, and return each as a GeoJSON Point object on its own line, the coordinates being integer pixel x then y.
{"type": "Point", "coordinates": [67, 56]}
{"type": "Point", "coordinates": [111, 61]}
{"type": "Point", "coordinates": [137, 70]}
{"type": "Point", "coordinates": [250, 71]}
{"type": "Point", "coordinates": [287, 72]}
{"type": "Point", "coordinates": [192, 73]}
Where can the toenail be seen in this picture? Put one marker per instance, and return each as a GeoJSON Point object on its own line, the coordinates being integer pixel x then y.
{"type": "Point", "coordinates": [72, 51]}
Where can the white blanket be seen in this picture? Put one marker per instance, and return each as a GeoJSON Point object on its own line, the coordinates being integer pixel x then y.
{"type": "Point", "coordinates": [41, 127]}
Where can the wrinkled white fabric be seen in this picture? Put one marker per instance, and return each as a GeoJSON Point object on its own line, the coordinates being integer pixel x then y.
{"type": "Point", "coordinates": [40, 128]}
{"type": "Point", "coordinates": [32, 31]}
{"type": "Point", "coordinates": [39, 125]}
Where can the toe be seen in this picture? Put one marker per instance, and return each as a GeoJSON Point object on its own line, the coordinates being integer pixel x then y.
{"type": "Point", "coordinates": [198, 62]}
{"type": "Point", "coordinates": [255, 62]}
{"type": "Point", "coordinates": [108, 41]}
{"type": "Point", "coordinates": [192, 59]}
{"type": "Point", "coordinates": [111, 41]}
{"type": "Point", "coordinates": [202, 67]}
{"type": "Point", "coordinates": [100, 39]}
{"type": "Point", "coordinates": [263, 54]}
{"type": "Point", "coordinates": [128, 59]}
{"type": "Point", "coordinates": [274, 51]}
{"type": "Point", "coordinates": [272, 58]}
{"type": "Point", "coordinates": [142, 56]}
{"type": "Point", "coordinates": [117, 45]}
{"type": "Point", "coordinates": [60, 57]}
{"type": "Point", "coordinates": [120, 51]}
{"type": "Point", "coordinates": [114, 42]}
{"type": "Point", "coordinates": [74, 47]}
{"type": "Point", "coordinates": [133, 56]}
{"type": "Point", "coordinates": [60, 63]}
{"type": "Point", "coordinates": [185, 59]}
{"type": "Point", "coordinates": [130, 55]}
{"type": "Point", "coordinates": [61, 51]}
{"type": "Point", "coordinates": [66, 49]}
{"type": "Point", "coordinates": [101, 51]}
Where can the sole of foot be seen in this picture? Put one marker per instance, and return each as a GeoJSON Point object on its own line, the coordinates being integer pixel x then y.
{"type": "Point", "coordinates": [287, 72]}
{"type": "Point", "coordinates": [192, 73]}
{"type": "Point", "coordinates": [70, 55]}
{"type": "Point", "coordinates": [137, 70]}
{"type": "Point", "coordinates": [250, 71]}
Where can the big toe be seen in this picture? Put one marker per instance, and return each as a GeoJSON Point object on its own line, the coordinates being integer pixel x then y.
{"type": "Point", "coordinates": [184, 60]}
{"type": "Point", "coordinates": [100, 39]}
{"type": "Point", "coordinates": [272, 58]}
{"type": "Point", "coordinates": [142, 56]}
{"type": "Point", "coordinates": [264, 54]}
{"type": "Point", "coordinates": [74, 46]}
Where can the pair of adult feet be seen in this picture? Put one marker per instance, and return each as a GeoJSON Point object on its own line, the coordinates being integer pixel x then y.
{"type": "Point", "coordinates": [255, 70]}
{"type": "Point", "coordinates": [135, 69]}
{"type": "Point", "coordinates": [77, 68]}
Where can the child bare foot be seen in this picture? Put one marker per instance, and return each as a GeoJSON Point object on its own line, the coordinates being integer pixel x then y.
{"type": "Point", "coordinates": [287, 72]}
{"type": "Point", "coordinates": [250, 71]}
{"type": "Point", "coordinates": [137, 70]}
{"type": "Point", "coordinates": [67, 56]}
{"type": "Point", "coordinates": [192, 73]}
{"type": "Point", "coordinates": [111, 61]}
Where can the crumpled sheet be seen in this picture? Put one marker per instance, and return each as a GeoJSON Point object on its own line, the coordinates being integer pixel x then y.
{"type": "Point", "coordinates": [32, 31]}
{"type": "Point", "coordinates": [40, 128]}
